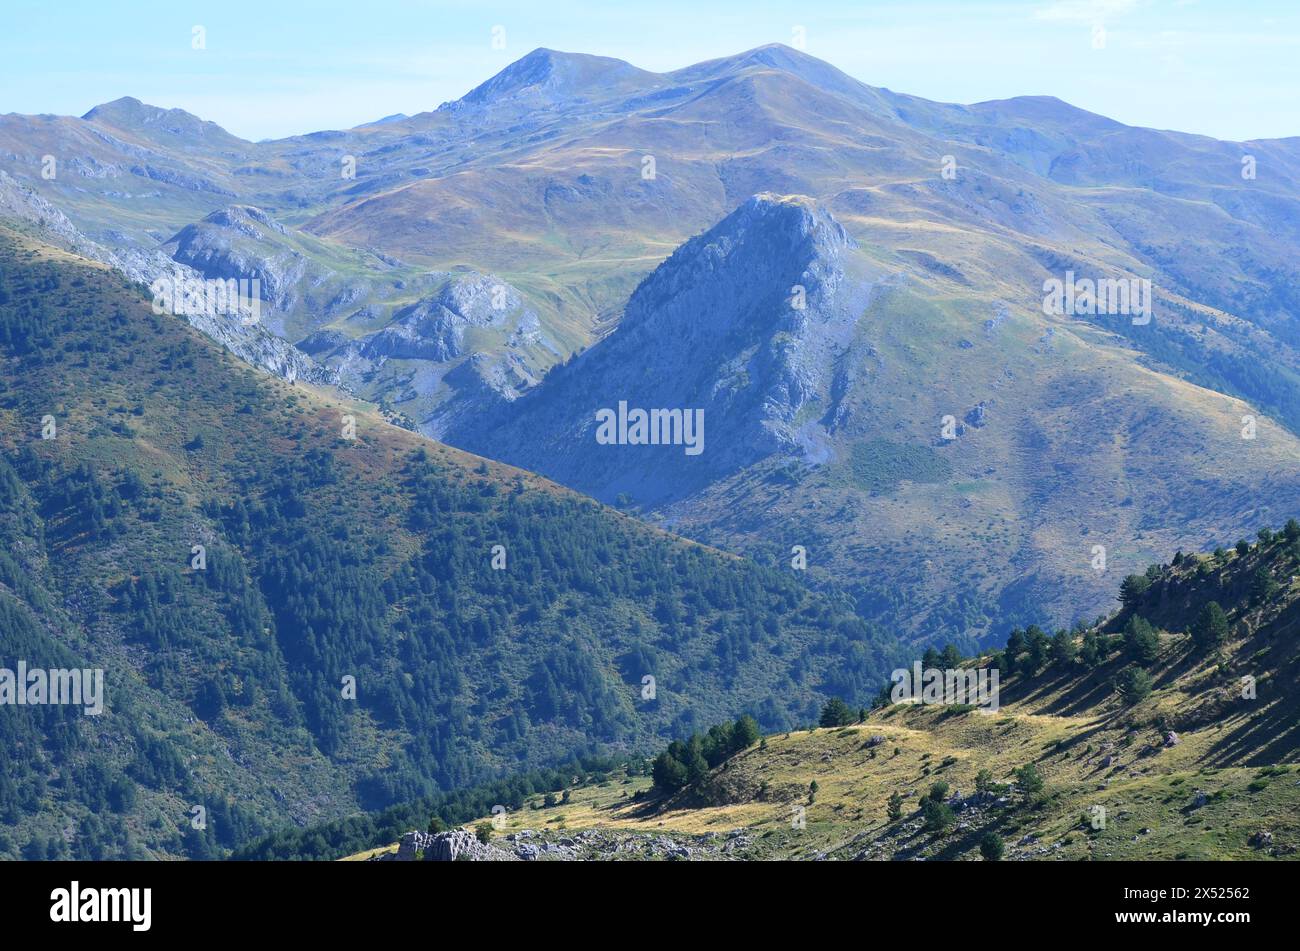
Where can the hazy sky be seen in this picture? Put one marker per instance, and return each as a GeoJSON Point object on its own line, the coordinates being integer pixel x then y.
{"type": "Point", "coordinates": [1227, 68]}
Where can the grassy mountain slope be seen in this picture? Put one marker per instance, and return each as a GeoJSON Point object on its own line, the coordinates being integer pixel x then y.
{"type": "Point", "coordinates": [1198, 769]}
{"type": "Point", "coordinates": [824, 428]}
{"type": "Point", "coordinates": [326, 558]}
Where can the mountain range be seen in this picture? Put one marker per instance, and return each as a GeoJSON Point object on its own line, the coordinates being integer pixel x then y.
{"type": "Point", "coordinates": [947, 452]}
{"type": "Point", "coordinates": [390, 530]}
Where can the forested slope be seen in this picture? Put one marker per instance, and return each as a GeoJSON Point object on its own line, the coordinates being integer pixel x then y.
{"type": "Point", "coordinates": [342, 640]}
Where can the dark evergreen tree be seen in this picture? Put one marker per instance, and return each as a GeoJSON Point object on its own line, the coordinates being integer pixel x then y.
{"type": "Point", "coordinates": [1141, 643]}
{"type": "Point", "coordinates": [1133, 684]}
{"type": "Point", "coordinates": [991, 846]}
{"type": "Point", "coordinates": [1211, 626]}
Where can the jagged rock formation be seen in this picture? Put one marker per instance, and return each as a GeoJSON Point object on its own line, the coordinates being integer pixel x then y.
{"type": "Point", "coordinates": [743, 323]}
{"type": "Point", "coordinates": [210, 248]}
{"type": "Point", "coordinates": [467, 347]}
{"type": "Point", "coordinates": [458, 845]}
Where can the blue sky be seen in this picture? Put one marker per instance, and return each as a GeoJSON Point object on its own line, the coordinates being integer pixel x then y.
{"type": "Point", "coordinates": [1218, 67]}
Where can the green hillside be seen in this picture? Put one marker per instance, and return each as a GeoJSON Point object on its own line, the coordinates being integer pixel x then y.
{"type": "Point", "coordinates": [1200, 761]}
{"type": "Point", "coordinates": [330, 565]}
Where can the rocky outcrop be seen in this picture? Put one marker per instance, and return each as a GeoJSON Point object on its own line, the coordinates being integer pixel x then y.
{"type": "Point", "coordinates": [443, 375]}
{"type": "Point", "coordinates": [237, 241]}
{"type": "Point", "coordinates": [589, 845]}
{"type": "Point", "coordinates": [458, 845]}
{"type": "Point", "coordinates": [434, 328]}
{"type": "Point", "coordinates": [743, 323]}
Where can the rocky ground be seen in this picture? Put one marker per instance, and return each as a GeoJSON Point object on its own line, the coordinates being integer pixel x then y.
{"type": "Point", "coordinates": [588, 845]}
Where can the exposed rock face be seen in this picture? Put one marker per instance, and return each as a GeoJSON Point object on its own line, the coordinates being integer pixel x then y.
{"type": "Point", "coordinates": [462, 846]}
{"type": "Point", "coordinates": [213, 248]}
{"type": "Point", "coordinates": [411, 844]}
{"type": "Point", "coordinates": [742, 323]}
{"type": "Point", "coordinates": [434, 328]}
{"type": "Point", "coordinates": [420, 319]}
{"type": "Point", "coordinates": [426, 347]}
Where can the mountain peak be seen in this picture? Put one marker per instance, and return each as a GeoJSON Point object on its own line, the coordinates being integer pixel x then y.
{"type": "Point", "coordinates": [781, 58]}
{"type": "Point", "coordinates": [741, 322]}
{"type": "Point", "coordinates": [129, 114]}
{"type": "Point", "coordinates": [800, 217]}
{"type": "Point", "coordinates": [554, 75]}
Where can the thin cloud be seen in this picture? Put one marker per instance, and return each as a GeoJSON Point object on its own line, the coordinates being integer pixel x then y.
{"type": "Point", "coordinates": [1085, 11]}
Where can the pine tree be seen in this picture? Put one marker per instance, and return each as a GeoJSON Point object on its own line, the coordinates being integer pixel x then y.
{"type": "Point", "coordinates": [836, 713]}
{"type": "Point", "coordinates": [1040, 648]}
{"type": "Point", "coordinates": [1141, 642]}
{"type": "Point", "coordinates": [939, 816]}
{"type": "Point", "coordinates": [895, 807]}
{"type": "Point", "coordinates": [1015, 647]}
{"type": "Point", "coordinates": [1029, 781]}
{"type": "Point", "coordinates": [1262, 585]}
{"type": "Point", "coordinates": [1093, 651]}
{"type": "Point", "coordinates": [1211, 626]}
{"type": "Point", "coordinates": [991, 846]}
{"type": "Point", "coordinates": [1133, 684]}
{"type": "Point", "coordinates": [1132, 588]}
{"type": "Point", "coordinates": [744, 734]}
{"type": "Point", "coordinates": [1062, 649]}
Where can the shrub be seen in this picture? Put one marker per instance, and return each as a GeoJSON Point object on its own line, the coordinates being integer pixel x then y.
{"type": "Point", "coordinates": [991, 846]}
{"type": "Point", "coordinates": [895, 807]}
